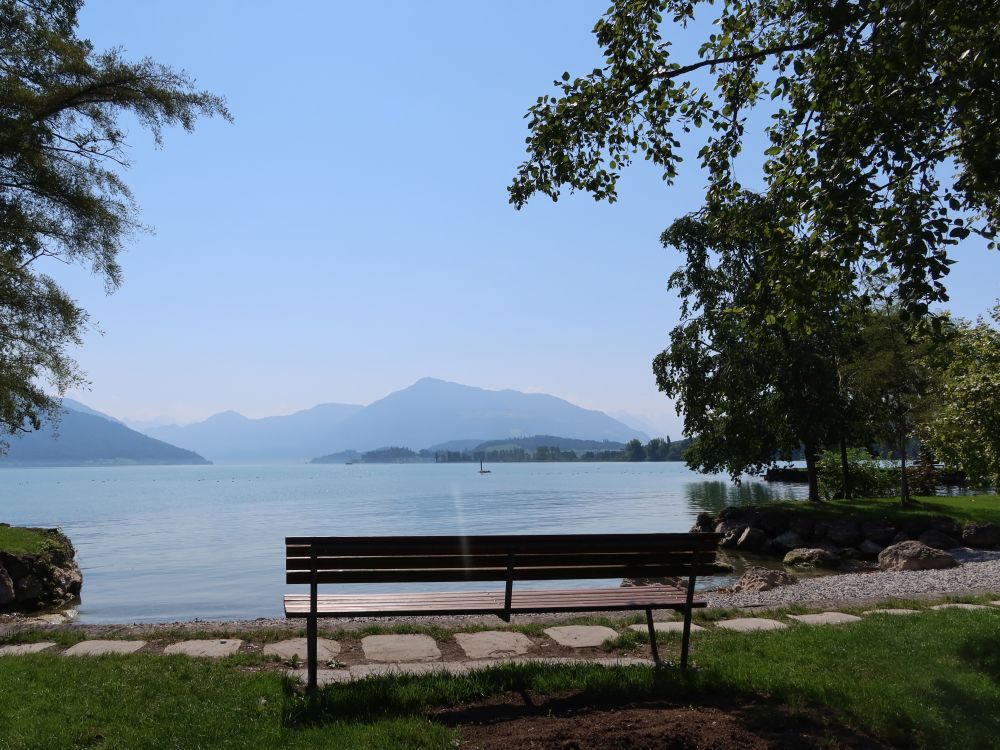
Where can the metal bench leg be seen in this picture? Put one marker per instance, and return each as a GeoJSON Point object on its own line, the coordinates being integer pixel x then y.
{"type": "Point", "coordinates": [686, 639]}
{"type": "Point", "coordinates": [652, 637]}
{"type": "Point", "coordinates": [311, 654]}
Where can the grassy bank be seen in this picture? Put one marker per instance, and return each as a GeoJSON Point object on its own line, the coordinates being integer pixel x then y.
{"type": "Point", "coordinates": [20, 541]}
{"type": "Point", "coordinates": [927, 680]}
{"type": "Point", "coordinates": [962, 508]}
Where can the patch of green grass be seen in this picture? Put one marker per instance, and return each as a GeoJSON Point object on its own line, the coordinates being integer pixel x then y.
{"type": "Point", "coordinates": [963, 508]}
{"type": "Point", "coordinates": [21, 541]}
{"type": "Point", "coordinates": [173, 702]}
{"type": "Point", "coordinates": [928, 680]}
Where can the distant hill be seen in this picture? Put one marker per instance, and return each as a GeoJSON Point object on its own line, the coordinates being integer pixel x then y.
{"type": "Point", "coordinates": [550, 441]}
{"type": "Point", "coordinates": [433, 412]}
{"type": "Point", "coordinates": [92, 439]}
{"type": "Point", "coordinates": [229, 436]}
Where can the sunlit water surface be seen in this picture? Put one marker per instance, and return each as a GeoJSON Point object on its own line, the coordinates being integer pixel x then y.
{"type": "Point", "coordinates": [188, 542]}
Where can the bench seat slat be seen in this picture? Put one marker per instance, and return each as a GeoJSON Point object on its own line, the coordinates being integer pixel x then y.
{"type": "Point", "coordinates": [469, 562]}
{"type": "Point", "coordinates": [499, 545]}
{"type": "Point", "coordinates": [490, 602]}
{"type": "Point", "coordinates": [496, 574]}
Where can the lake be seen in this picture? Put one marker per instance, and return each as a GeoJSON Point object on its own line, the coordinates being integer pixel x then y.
{"type": "Point", "coordinates": [207, 542]}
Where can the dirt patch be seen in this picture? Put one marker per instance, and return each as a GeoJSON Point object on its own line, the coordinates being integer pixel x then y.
{"type": "Point", "coordinates": [518, 720]}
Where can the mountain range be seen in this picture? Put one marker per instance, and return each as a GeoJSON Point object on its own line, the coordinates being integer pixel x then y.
{"type": "Point", "coordinates": [428, 413]}
{"type": "Point", "coordinates": [84, 437]}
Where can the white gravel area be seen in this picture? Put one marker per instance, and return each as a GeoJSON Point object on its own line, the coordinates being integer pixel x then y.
{"type": "Point", "coordinates": [977, 573]}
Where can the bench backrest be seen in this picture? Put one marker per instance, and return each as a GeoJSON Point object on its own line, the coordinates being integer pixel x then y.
{"type": "Point", "coordinates": [401, 559]}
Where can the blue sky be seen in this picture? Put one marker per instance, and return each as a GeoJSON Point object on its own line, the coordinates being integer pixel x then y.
{"type": "Point", "coordinates": [350, 232]}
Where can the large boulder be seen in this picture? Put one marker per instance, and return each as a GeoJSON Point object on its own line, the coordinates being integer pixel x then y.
{"type": "Point", "coordinates": [811, 557]}
{"type": "Point", "coordinates": [914, 555]}
{"type": "Point", "coordinates": [42, 580]}
{"type": "Point", "coordinates": [762, 579]}
{"type": "Point", "coordinates": [844, 531]}
{"type": "Point", "coordinates": [773, 520]}
{"type": "Point", "coordinates": [879, 532]}
{"type": "Point", "coordinates": [945, 525]}
{"type": "Point", "coordinates": [787, 542]}
{"type": "Point", "coordinates": [729, 528]}
{"type": "Point", "coordinates": [703, 522]}
{"type": "Point", "coordinates": [976, 534]}
{"type": "Point", "coordinates": [802, 525]}
{"type": "Point", "coordinates": [6, 588]}
{"type": "Point", "coordinates": [938, 540]}
{"type": "Point", "coordinates": [751, 540]}
{"type": "Point", "coordinates": [870, 550]}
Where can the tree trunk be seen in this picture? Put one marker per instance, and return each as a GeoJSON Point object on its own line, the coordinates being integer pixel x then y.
{"type": "Point", "coordinates": [845, 469]}
{"type": "Point", "coordinates": [810, 451]}
{"type": "Point", "coordinates": [904, 485]}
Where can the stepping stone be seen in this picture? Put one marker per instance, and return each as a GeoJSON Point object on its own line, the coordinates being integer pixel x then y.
{"type": "Point", "coordinates": [212, 649]}
{"type": "Point", "coordinates": [826, 618]}
{"type": "Point", "coordinates": [24, 648]}
{"type": "Point", "coordinates": [363, 671]}
{"type": "Point", "coordinates": [99, 648]}
{"type": "Point", "coordinates": [396, 648]}
{"type": "Point", "coordinates": [491, 644]}
{"type": "Point", "coordinates": [666, 627]}
{"type": "Point", "coordinates": [56, 618]}
{"type": "Point", "coordinates": [581, 636]}
{"type": "Point", "coordinates": [959, 606]}
{"type": "Point", "coordinates": [892, 611]}
{"type": "Point", "coordinates": [995, 604]}
{"type": "Point", "coordinates": [749, 624]}
{"type": "Point", "coordinates": [296, 648]}
{"type": "Point", "coordinates": [323, 676]}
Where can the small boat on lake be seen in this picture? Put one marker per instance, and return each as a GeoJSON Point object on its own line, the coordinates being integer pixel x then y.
{"type": "Point", "coordinates": [482, 470]}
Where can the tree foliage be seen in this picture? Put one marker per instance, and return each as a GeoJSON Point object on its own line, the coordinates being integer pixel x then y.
{"type": "Point", "coordinates": [964, 431]}
{"type": "Point", "coordinates": [895, 376]}
{"type": "Point", "coordinates": [62, 197]}
{"type": "Point", "coordinates": [750, 388]}
{"type": "Point", "coordinates": [884, 127]}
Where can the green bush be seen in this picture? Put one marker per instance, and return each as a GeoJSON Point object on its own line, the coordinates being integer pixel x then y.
{"type": "Point", "coordinates": [870, 476]}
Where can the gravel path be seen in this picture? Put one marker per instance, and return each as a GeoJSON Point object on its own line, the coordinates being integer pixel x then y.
{"type": "Point", "coordinates": [978, 572]}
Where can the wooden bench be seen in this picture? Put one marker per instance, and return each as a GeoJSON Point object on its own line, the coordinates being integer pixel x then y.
{"type": "Point", "coordinates": [316, 560]}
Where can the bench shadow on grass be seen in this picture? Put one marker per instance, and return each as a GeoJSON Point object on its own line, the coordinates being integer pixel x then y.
{"type": "Point", "coordinates": [508, 693]}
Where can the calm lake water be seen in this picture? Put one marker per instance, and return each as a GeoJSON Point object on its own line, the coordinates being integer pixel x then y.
{"type": "Point", "coordinates": [189, 542]}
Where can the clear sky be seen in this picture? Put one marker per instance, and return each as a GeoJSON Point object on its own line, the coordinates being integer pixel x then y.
{"type": "Point", "coordinates": [350, 232]}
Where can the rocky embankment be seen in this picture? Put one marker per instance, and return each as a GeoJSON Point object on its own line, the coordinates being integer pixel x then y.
{"type": "Point", "coordinates": [805, 541]}
{"type": "Point", "coordinates": [34, 581]}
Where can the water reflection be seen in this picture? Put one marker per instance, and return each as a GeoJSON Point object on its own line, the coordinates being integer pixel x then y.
{"type": "Point", "coordinates": [713, 496]}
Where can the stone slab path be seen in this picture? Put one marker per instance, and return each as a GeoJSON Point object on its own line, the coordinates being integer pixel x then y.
{"type": "Point", "coordinates": [666, 627]}
{"type": "Point", "coordinates": [400, 648]}
{"type": "Point", "coordinates": [100, 648]}
{"type": "Point", "coordinates": [826, 618]}
{"type": "Point", "coordinates": [581, 636]}
{"type": "Point", "coordinates": [750, 624]}
{"type": "Point", "coordinates": [297, 648]}
{"type": "Point", "coordinates": [492, 644]}
{"type": "Point", "coordinates": [211, 649]}
{"type": "Point", "coordinates": [362, 671]}
{"type": "Point", "coordinates": [21, 649]}
{"type": "Point", "coordinates": [960, 606]}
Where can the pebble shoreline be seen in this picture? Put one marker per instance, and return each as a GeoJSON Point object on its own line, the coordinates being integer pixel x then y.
{"type": "Point", "coordinates": [978, 572]}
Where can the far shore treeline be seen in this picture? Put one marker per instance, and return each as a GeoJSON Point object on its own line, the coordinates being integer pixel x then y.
{"type": "Point", "coordinates": [538, 448]}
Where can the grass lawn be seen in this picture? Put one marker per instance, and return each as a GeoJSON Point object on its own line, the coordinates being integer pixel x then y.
{"type": "Point", "coordinates": [929, 680]}
{"type": "Point", "coordinates": [962, 508]}
{"type": "Point", "coordinates": [18, 541]}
